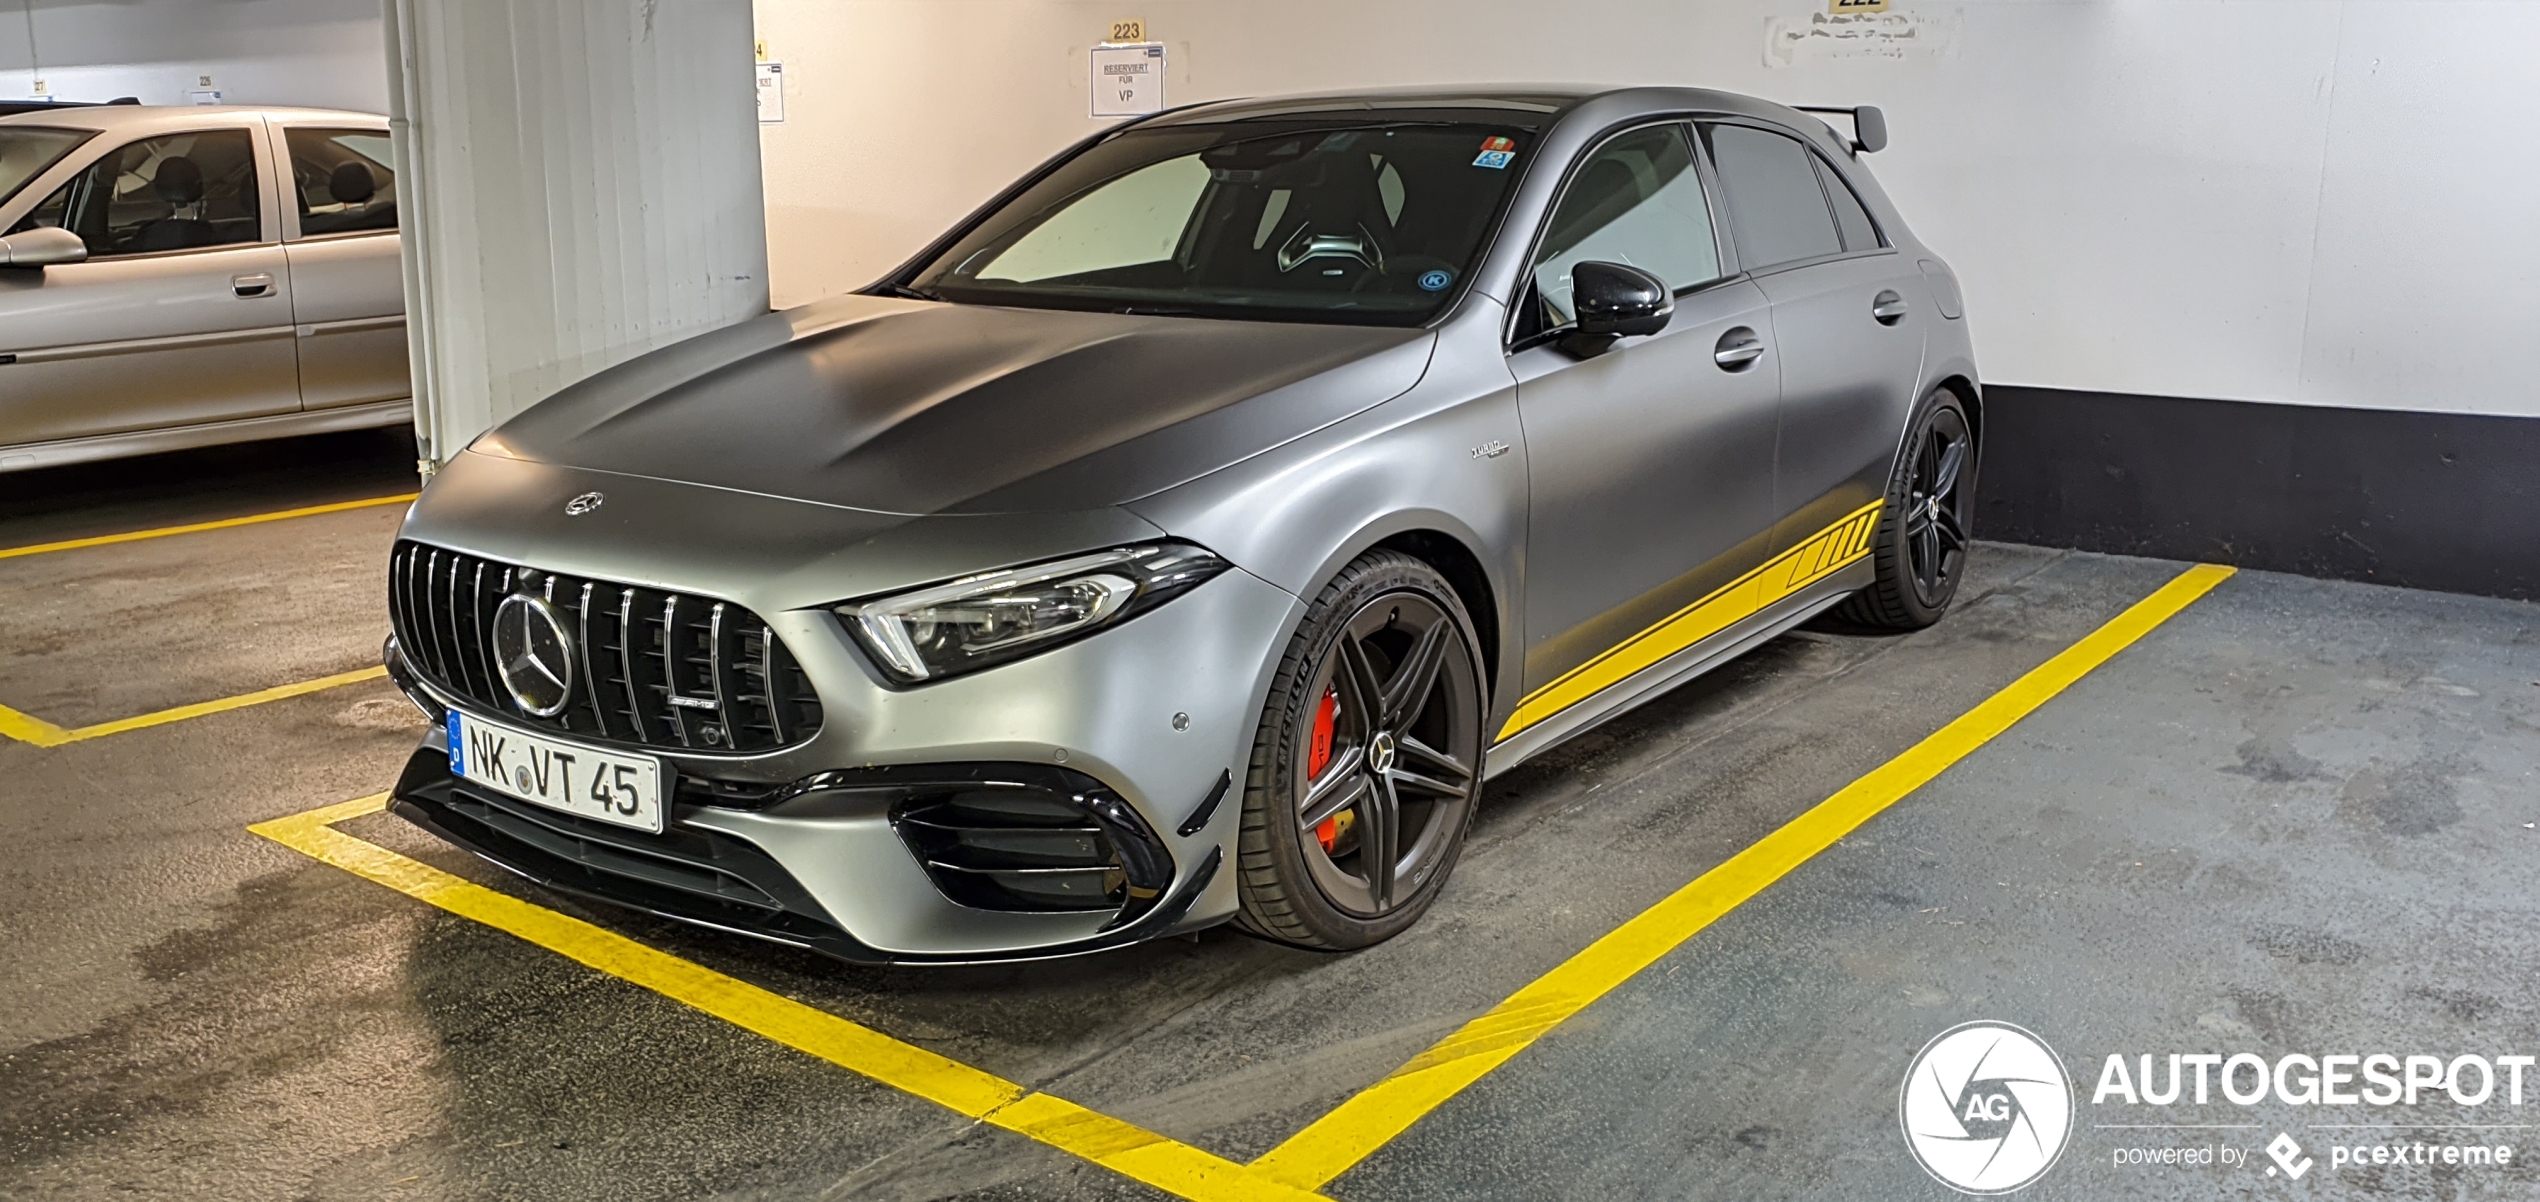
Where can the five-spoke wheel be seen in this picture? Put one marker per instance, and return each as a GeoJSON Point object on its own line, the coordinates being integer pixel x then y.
{"type": "Point", "coordinates": [1368, 760]}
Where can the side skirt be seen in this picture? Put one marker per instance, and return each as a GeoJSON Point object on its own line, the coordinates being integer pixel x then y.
{"type": "Point", "coordinates": [28, 455]}
{"type": "Point", "coordinates": [1676, 669]}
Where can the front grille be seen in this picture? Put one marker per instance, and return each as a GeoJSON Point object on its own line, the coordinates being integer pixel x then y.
{"type": "Point", "coordinates": [652, 668]}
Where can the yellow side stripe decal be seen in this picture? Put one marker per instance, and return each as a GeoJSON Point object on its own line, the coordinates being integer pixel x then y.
{"type": "Point", "coordinates": [27, 728]}
{"type": "Point", "coordinates": [1792, 570]}
{"type": "Point", "coordinates": [223, 524]}
{"type": "Point", "coordinates": [1124, 1148]}
{"type": "Point", "coordinates": [1332, 1144]}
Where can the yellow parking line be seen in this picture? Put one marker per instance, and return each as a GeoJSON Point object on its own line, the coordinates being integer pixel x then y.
{"type": "Point", "coordinates": [1332, 1144]}
{"type": "Point", "coordinates": [27, 728]}
{"type": "Point", "coordinates": [1131, 1151]}
{"type": "Point", "coordinates": [223, 524]}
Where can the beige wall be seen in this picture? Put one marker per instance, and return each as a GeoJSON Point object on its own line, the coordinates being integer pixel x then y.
{"type": "Point", "coordinates": [2286, 200]}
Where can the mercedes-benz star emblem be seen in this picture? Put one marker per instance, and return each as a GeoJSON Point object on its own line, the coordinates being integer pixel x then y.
{"type": "Point", "coordinates": [583, 504]}
{"type": "Point", "coordinates": [1380, 751]}
{"type": "Point", "coordinates": [534, 654]}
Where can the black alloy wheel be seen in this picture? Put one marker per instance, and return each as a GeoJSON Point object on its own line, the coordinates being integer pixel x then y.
{"type": "Point", "coordinates": [1935, 507]}
{"type": "Point", "coordinates": [1368, 762]}
{"type": "Point", "coordinates": [1920, 546]}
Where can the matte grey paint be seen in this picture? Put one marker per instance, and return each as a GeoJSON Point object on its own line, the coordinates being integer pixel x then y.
{"type": "Point", "coordinates": [871, 444]}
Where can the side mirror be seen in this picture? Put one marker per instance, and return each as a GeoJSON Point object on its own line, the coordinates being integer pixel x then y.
{"type": "Point", "coordinates": [1614, 301]}
{"type": "Point", "coordinates": [42, 248]}
{"type": "Point", "coordinates": [1869, 129]}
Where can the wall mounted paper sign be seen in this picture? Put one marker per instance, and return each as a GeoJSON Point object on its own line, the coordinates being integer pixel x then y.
{"type": "Point", "coordinates": [1128, 80]}
{"type": "Point", "coordinates": [203, 96]}
{"type": "Point", "coordinates": [771, 93]}
{"type": "Point", "coordinates": [1852, 33]}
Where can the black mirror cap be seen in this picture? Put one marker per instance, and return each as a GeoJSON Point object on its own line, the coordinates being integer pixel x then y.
{"type": "Point", "coordinates": [1869, 129]}
{"type": "Point", "coordinates": [1615, 301]}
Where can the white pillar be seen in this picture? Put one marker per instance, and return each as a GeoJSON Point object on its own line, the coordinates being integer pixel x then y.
{"type": "Point", "coordinates": [580, 184]}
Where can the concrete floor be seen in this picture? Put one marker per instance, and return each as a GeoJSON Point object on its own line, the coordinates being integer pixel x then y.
{"type": "Point", "coordinates": [2292, 819]}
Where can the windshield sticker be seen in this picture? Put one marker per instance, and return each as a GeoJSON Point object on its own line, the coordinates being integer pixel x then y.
{"type": "Point", "coordinates": [1496, 153]}
{"type": "Point", "coordinates": [1435, 281]}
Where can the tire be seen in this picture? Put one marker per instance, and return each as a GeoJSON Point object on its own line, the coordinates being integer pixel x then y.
{"type": "Point", "coordinates": [1399, 790]}
{"type": "Point", "coordinates": [1921, 543]}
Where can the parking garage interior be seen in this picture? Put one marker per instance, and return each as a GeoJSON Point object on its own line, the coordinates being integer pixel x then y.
{"type": "Point", "coordinates": [2226, 745]}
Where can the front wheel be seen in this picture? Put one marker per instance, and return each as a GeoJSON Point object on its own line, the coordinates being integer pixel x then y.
{"type": "Point", "coordinates": [1921, 543]}
{"type": "Point", "coordinates": [1367, 762]}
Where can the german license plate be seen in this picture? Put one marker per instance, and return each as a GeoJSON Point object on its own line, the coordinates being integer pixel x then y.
{"type": "Point", "coordinates": [585, 781]}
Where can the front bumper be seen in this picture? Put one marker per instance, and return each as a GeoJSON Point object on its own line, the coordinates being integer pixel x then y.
{"type": "Point", "coordinates": [1156, 716]}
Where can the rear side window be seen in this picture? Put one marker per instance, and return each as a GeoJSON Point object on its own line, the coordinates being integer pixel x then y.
{"type": "Point", "coordinates": [343, 180]}
{"type": "Point", "coordinates": [177, 192]}
{"type": "Point", "coordinates": [1636, 200]}
{"type": "Point", "coordinates": [1777, 211]}
{"type": "Point", "coordinates": [1858, 233]}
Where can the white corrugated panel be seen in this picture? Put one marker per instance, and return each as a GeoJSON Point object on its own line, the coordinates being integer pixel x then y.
{"type": "Point", "coordinates": [581, 183]}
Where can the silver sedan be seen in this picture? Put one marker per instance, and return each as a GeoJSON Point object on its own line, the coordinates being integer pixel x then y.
{"type": "Point", "coordinates": [1189, 534]}
{"type": "Point", "coordinates": [177, 277]}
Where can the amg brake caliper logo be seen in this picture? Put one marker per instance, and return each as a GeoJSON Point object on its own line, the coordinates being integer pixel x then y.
{"type": "Point", "coordinates": [1986, 1108]}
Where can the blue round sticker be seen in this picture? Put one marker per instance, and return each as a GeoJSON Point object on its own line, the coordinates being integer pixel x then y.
{"type": "Point", "coordinates": [1435, 281]}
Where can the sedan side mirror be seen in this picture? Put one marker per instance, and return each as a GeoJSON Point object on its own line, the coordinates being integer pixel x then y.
{"type": "Point", "coordinates": [42, 247]}
{"type": "Point", "coordinates": [1615, 301]}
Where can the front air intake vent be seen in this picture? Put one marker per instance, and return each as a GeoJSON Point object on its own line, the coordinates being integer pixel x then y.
{"type": "Point", "coordinates": [650, 668]}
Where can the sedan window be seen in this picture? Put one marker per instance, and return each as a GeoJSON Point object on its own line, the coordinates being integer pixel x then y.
{"type": "Point", "coordinates": [178, 192]}
{"type": "Point", "coordinates": [343, 180]}
{"type": "Point", "coordinates": [1636, 200]}
{"type": "Point", "coordinates": [1371, 224]}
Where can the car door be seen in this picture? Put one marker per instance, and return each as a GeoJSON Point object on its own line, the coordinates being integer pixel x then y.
{"type": "Point", "coordinates": [1851, 343]}
{"type": "Point", "coordinates": [182, 312]}
{"type": "Point", "coordinates": [348, 298]}
{"type": "Point", "coordinates": [1651, 465]}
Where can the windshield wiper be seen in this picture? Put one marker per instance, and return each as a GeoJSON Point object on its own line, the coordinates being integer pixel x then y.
{"type": "Point", "coordinates": [903, 290]}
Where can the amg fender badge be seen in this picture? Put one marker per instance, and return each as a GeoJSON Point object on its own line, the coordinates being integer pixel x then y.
{"type": "Point", "coordinates": [1490, 450]}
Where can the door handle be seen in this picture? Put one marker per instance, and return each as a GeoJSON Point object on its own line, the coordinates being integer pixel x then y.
{"type": "Point", "coordinates": [1888, 307]}
{"type": "Point", "coordinates": [1737, 348]}
{"type": "Point", "coordinates": [259, 284]}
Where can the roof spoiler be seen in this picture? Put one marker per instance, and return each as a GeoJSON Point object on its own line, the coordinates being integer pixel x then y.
{"type": "Point", "coordinates": [1869, 125]}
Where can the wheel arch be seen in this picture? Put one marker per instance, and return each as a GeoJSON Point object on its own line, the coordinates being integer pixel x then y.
{"type": "Point", "coordinates": [1472, 583]}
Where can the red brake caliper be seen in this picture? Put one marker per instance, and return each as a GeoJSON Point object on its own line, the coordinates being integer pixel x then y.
{"type": "Point", "coordinates": [1318, 756]}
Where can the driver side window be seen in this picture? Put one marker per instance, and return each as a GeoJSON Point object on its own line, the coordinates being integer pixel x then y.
{"type": "Point", "coordinates": [177, 192]}
{"type": "Point", "coordinates": [1636, 200]}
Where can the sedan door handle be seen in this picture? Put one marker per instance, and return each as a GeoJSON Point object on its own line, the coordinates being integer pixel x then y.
{"type": "Point", "coordinates": [259, 284]}
{"type": "Point", "coordinates": [1738, 348]}
{"type": "Point", "coordinates": [1888, 307]}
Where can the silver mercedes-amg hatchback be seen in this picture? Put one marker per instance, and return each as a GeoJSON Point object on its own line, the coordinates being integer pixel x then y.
{"type": "Point", "coordinates": [1189, 533]}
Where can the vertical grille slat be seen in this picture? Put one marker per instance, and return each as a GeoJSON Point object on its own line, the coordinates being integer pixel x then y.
{"type": "Point", "coordinates": [767, 683]}
{"type": "Point", "coordinates": [626, 664]}
{"type": "Point", "coordinates": [635, 650]}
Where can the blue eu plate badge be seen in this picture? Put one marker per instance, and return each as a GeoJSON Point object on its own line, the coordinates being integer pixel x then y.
{"type": "Point", "coordinates": [458, 762]}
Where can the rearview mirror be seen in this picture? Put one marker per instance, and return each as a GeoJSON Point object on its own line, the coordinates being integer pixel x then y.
{"type": "Point", "coordinates": [1615, 301]}
{"type": "Point", "coordinates": [42, 247]}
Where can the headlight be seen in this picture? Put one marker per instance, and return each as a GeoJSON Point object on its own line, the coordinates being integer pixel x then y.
{"type": "Point", "coordinates": [982, 620]}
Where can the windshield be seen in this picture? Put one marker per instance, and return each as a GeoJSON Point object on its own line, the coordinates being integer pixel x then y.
{"type": "Point", "coordinates": [1371, 224]}
{"type": "Point", "coordinates": [26, 150]}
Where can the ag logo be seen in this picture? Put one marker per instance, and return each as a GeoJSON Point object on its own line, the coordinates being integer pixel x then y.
{"type": "Point", "coordinates": [1986, 1108]}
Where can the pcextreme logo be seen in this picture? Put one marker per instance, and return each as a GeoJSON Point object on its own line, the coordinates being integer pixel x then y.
{"type": "Point", "coordinates": [1986, 1108]}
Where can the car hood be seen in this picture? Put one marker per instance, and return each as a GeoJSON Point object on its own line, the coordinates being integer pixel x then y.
{"type": "Point", "coordinates": [910, 407]}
